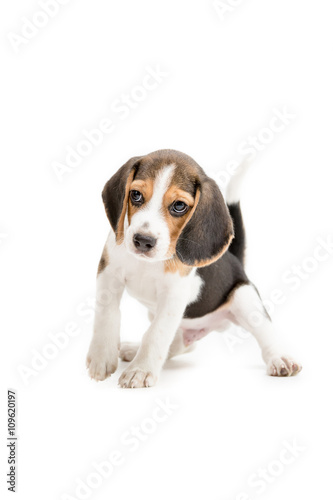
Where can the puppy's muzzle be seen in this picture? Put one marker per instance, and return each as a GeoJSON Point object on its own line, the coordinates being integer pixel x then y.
{"type": "Point", "coordinates": [144, 243]}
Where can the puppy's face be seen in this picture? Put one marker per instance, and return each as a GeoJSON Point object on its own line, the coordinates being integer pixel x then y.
{"type": "Point", "coordinates": [163, 206]}
{"type": "Point", "coordinates": [158, 208]}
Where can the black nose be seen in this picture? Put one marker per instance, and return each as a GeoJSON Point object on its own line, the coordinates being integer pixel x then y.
{"type": "Point", "coordinates": [144, 243]}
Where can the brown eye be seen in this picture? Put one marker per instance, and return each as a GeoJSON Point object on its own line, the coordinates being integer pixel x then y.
{"type": "Point", "coordinates": [178, 208]}
{"type": "Point", "coordinates": [136, 197]}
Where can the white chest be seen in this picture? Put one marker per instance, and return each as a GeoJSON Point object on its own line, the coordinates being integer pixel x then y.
{"type": "Point", "coordinates": [143, 282]}
{"type": "Point", "coordinates": [147, 281]}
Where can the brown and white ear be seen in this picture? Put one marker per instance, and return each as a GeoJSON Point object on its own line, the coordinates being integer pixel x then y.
{"type": "Point", "coordinates": [115, 196]}
{"type": "Point", "coordinates": [208, 232]}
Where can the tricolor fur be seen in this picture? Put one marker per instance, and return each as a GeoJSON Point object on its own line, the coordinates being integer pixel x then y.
{"type": "Point", "coordinates": [172, 246]}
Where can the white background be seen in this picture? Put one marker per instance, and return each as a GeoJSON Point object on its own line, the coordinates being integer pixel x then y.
{"type": "Point", "coordinates": [225, 77]}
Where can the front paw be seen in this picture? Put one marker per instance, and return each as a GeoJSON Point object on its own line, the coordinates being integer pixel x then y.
{"type": "Point", "coordinates": [283, 366]}
{"type": "Point", "coordinates": [101, 363]}
{"type": "Point", "coordinates": [133, 378]}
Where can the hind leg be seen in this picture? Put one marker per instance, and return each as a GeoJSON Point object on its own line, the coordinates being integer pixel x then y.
{"type": "Point", "coordinates": [249, 312]}
{"type": "Point", "coordinates": [128, 350]}
{"type": "Point", "coordinates": [178, 347]}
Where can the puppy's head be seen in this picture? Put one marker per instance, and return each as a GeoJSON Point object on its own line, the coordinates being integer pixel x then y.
{"type": "Point", "coordinates": [163, 206]}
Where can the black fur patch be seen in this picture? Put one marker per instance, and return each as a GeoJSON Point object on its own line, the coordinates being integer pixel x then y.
{"type": "Point", "coordinates": [219, 280]}
{"type": "Point", "coordinates": [237, 246]}
{"type": "Point", "coordinates": [210, 228]}
{"type": "Point", "coordinates": [114, 192]}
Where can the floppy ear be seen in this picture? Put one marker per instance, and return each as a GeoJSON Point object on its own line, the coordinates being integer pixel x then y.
{"type": "Point", "coordinates": [115, 196]}
{"type": "Point", "coordinates": [209, 230]}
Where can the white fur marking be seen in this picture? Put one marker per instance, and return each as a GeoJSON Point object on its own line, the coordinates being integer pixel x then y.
{"type": "Point", "coordinates": [249, 312]}
{"type": "Point", "coordinates": [152, 214]}
{"type": "Point", "coordinates": [236, 182]}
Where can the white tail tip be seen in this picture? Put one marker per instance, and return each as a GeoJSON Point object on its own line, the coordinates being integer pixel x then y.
{"type": "Point", "coordinates": [235, 185]}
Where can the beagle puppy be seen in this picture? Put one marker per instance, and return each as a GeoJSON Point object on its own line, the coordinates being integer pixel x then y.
{"type": "Point", "coordinates": [178, 248]}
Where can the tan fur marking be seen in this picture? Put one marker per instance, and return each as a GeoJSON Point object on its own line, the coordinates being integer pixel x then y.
{"type": "Point", "coordinates": [173, 244]}
{"type": "Point", "coordinates": [177, 224]}
{"type": "Point", "coordinates": [104, 261]}
{"type": "Point", "coordinates": [146, 188]}
{"type": "Point", "coordinates": [120, 226]}
{"type": "Point", "coordinates": [176, 194]}
{"type": "Point", "coordinates": [176, 266]}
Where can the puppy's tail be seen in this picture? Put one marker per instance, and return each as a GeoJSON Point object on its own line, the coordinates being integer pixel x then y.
{"type": "Point", "coordinates": [237, 246]}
